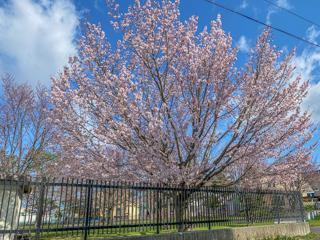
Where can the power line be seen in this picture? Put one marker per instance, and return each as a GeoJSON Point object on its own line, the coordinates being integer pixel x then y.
{"type": "Point", "coordinates": [292, 13]}
{"type": "Point", "coordinates": [263, 23]}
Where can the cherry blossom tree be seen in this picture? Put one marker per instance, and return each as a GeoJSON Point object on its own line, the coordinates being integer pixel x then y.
{"type": "Point", "coordinates": [24, 128]}
{"type": "Point", "coordinates": [289, 175]}
{"type": "Point", "coordinates": [167, 103]}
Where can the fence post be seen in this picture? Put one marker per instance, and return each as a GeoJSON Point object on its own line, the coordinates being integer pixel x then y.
{"type": "Point", "coordinates": [299, 195]}
{"type": "Point", "coordinates": [278, 208]}
{"type": "Point", "coordinates": [246, 207]}
{"type": "Point", "coordinates": [88, 209]}
{"type": "Point", "coordinates": [158, 208]}
{"type": "Point", "coordinates": [208, 208]}
{"type": "Point", "coordinates": [40, 207]}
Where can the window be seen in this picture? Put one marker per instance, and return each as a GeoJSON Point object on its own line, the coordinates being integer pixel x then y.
{"type": "Point", "coordinates": [310, 194]}
{"type": "Point", "coordinates": [118, 212]}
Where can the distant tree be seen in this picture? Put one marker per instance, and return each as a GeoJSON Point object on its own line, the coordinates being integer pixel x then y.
{"type": "Point", "coordinates": [24, 129]}
{"type": "Point", "coordinates": [290, 175]}
{"type": "Point", "coordinates": [169, 100]}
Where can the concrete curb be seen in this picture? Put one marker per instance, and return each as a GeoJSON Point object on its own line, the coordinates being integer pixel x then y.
{"type": "Point", "coordinates": [238, 233]}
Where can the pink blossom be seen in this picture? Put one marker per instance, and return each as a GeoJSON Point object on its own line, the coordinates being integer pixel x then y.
{"type": "Point", "coordinates": [167, 104]}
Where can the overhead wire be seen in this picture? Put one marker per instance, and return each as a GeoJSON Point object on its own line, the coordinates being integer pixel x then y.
{"type": "Point", "coordinates": [292, 13]}
{"type": "Point", "coordinates": [263, 23]}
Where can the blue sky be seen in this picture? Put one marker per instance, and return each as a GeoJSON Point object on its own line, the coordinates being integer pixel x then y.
{"type": "Point", "coordinates": [37, 36]}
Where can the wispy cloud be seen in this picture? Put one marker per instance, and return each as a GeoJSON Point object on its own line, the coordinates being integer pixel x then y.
{"type": "Point", "coordinates": [312, 34]}
{"type": "Point", "coordinates": [36, 38]}
{"type": "Point", "coordinates": [272, 9]}
{"type": "Point", "coordinates": [243, 44]}
{"type": "Point", "coordinates": [244, 4]}
{"type": "Point", "coordinates": [98, 5]}
{"type": "Point", "coordinates": [284, 4]}
{"type": "Point", "coordinates": [270, 12]}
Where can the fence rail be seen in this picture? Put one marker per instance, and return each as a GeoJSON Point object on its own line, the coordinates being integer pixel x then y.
{"type": "Point", "coordinates": [49, 208]}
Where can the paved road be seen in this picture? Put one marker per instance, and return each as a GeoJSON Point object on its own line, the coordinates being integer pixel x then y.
{"type": "Point", "coordinates": [315, 230]}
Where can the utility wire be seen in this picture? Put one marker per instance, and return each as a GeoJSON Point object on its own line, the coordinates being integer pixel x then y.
{"type": "Point", "coordinates": [263, 23]}
{"type": "Point", "coordinates": [292, 13]}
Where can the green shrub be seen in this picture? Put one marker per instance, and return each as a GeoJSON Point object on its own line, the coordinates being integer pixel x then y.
{"type": "Point", "coordinates": [308, 207]}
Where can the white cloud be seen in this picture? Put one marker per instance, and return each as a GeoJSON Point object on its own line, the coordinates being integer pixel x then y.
{"type": "Point", "coordinates": [36, 38]}
{"type": "Point", "coordinates": [284, 4]}
{"type": "Point", "coordinates": [312, 34]}
{"type": "Point", "coordinates": [307, 66]}
{"type": "Point", "coordinates": [273, 9]}
{"type": "Point", "coordinates": [269, 14]}
{"type": "Point", "coordinates": [243, 44]}
{"type": "Point", "coordinates": [307, 63]}
{"type": "Point", "coordinates": [312, 102]}
{"type": "Point", "coordinates": [285, 50]}
{"type": "Point", "coordinates": [244, 4]}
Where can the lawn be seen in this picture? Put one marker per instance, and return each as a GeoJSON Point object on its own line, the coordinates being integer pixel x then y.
{"type": "Point", "coordinates": [311, 236]}
{"type": "Point", "coordinates": [131, 232]}
{"type": "Point", "coordinates": [315, 222]}
{"type": "Point", "coordinates": [127, 232]}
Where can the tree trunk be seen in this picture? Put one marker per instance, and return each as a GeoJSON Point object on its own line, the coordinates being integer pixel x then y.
{"type": "Point", "coordinates": [180, 208]}
{"type": "Point", "coordinates": [110, 215]}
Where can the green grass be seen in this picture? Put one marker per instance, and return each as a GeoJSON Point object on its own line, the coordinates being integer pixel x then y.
{"type": "Point", "coordinates": [314, 222]}
{"type": "Point", "coordinates": [311, 236]}
{"type": "Point", "coordinates": [129, 232]}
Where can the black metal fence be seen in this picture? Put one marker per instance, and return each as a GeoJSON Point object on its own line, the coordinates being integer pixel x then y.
{"type": "Point", "coordinates": [50, 208]}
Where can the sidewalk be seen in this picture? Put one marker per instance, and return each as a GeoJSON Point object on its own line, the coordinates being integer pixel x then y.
{"type": "Point", "coordinates": [315, 230]}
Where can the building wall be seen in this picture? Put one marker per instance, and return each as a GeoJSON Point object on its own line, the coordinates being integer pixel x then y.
{"type": "Point", "coordinates": [10, 198]}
